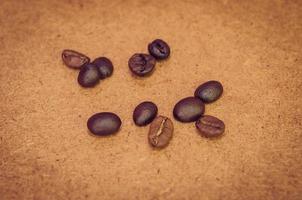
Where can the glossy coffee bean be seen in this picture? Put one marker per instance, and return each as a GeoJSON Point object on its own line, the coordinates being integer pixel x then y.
{"type": "Point", "coordinates": [159, 49]}
{"type": "Point", "coordinates": [188, 109]}
{"type": "Point", "coordinates": [144, 113]}
{"type": "Point", "coordinates": [105, 66]}
{"type": "Point", "coordinates": [104, 123]}
{"type": "Point", "coordinates": [89, 75]}
{"type": "Point", "coordinates": [210, 126]}
{"type": "Point", "coordinates": [209, 91]}
{"type": "Point", "coordinates": [160, 132]}
{"type": "Point", "coordinates": [74, 59]}
{"type": "Point", "coordinates": [141, 64]}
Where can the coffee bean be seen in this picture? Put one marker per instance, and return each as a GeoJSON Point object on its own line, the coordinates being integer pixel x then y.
{"type": "Point", "coordinates": [188, 109]}
{"type": "Point", "coordinates": [141, 64]}
{"type": "Point", "coordinates": [89, 75]}
{"type": "Point", "coordinates": [105, 66]}
{"type": "Point", "coordinates": [209, 91]}
{"type": "Point", "coordinates": [210, 126]}
{"type": "Point", "coordinates": [104, 123]}
{"type": "Point", "coordinates": [160, 132]}
{"type": "Point", "coordinates": [159, 49]}
{"type": "Point", "coordinates": [74, 59]}
{"type": "Point", "coordinates": [144, 113]}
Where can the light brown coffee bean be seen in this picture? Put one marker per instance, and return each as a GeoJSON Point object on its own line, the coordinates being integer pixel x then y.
{"type": "Point", "coordinates": [74, 59]}
{"type": "Point", "coordinates": [161, 132]}
{"type": "Point", "coordinates": [210, 126]}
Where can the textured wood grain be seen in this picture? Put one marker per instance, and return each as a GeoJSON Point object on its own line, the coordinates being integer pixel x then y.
{"type": "Point", "coordinates": [252, 47]}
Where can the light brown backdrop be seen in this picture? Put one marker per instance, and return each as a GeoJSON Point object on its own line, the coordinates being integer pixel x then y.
{"type": "Point", "coordinates": [252, 47]}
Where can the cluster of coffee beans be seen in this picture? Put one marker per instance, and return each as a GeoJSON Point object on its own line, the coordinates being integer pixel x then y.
{"type": "Point", "coordinates": [90, 72]}
{"type": "Point", "coordinates": [189, 109]}
{"type": "Point", "coordinates": [142, 64]}
{"type": "Point", "coordinates": [161, 129]}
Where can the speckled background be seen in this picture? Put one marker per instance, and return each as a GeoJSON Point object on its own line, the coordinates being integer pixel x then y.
{"type": "Point", "coordinates": [253, 47]}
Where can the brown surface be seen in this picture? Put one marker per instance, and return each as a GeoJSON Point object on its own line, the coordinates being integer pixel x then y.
{"type": "Point", "coordinates": [253, 48]}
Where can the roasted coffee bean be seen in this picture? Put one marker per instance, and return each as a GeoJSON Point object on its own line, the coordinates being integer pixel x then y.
{"type": "Point", "coordinates": [74, 59]}
{"type": "Point", "coordinates": [104, 123]}
{"type": "Point", "coordinates": [210, 126]}
{"type": "Point", "coordinates": [144, 113]}
{"type": "Point", "coordinates": [209, 91]}
{"type": "Point", "coordinates": [105, 66]}
{"type": "Point", "coordinates": [141, 64]}
{"type": "Point", "coordinates": [160, 132]}
{"type": "Point", "coordinates": [188, 109]}
{"type": "Point", "coordinates": [89, 75]}
{"type": "Point", "coordinates": [159, 49]}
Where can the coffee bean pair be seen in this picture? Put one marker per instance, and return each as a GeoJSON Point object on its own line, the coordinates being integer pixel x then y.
{"type": "Point", "coordinates": [161, 128]}
{"type": "Point", "coordinates": [142, 64]}
{"type": "Point", "coordinates": [90, 73]}
{"type": "Point", "coordinates": [191, 109]}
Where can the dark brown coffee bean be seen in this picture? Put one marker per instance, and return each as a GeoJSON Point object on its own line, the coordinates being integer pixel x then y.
{"type": "Point", "coordinates": [209, 91]}
{"type": "Point", "coordinates": [105, 66]}
{"type": "Point", "coordinates": [104, 123]}
{"type": "Point", "coordinates": [144, 113]}
{"type": "Point", "coordinates": [159, 49]}
{"type": "Point", "coordinates": [210, 126]}
{"type": "Point", "coordinates": [188, 109]}
{"type": "Point", "coordinates": [89, 75]}
{"type": "Point", "coordinates": [141, 64]}
{"type": "Point", "coordinates": [160, 132]}
{"type": "Point", "coordinates": [74, 59]}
